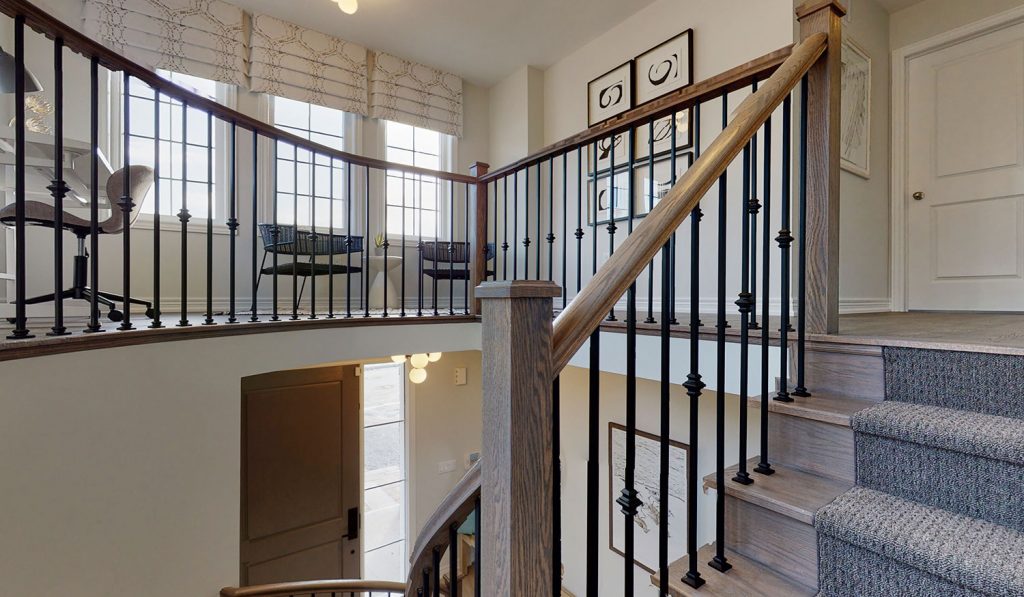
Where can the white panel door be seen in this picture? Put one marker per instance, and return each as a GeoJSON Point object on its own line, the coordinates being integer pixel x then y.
{"type": "Point", "coordinates": [965, 175]}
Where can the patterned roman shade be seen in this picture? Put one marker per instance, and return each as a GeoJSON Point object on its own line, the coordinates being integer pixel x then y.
{"type": "Point", "coordinates": [205, 38]}
{"type": "Point", "coordinates": [411, 93]}
{"type": "Point", "coordinates": [305, 65]}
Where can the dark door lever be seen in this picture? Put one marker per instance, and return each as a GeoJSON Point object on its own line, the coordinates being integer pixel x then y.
{"type": "Point", "coordinates": [353, 524]}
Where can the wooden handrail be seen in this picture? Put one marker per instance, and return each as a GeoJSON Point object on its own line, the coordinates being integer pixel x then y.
{"type": "Point", "coordinates": [454, 509]}
{"type": "Point", "coordinates": [75, 40]}
{"type": "Point", "coordinates": [585, 312]}
{"type": "Point", "coordinates": [310, 587]}
{"type": "Point", "coordinates": [730, 80]}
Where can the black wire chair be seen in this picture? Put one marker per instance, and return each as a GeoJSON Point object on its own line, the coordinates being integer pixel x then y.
{"type": "Point", "coordinates": [288, 240]}
{"type": "Point", "coordinates": [444, 260]}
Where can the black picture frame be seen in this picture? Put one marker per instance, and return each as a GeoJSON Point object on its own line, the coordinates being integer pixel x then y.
{"type": "Point", "coordinates": [628, 95]}
{"type": "Point", "coordinates": [640, 99]}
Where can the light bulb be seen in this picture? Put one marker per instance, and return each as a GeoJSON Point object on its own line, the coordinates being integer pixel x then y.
{"type": "Point", "coordinates": [434, 357]}
{"type": "Point", "coordinates": [418, 375]}
{"type": "Point", "coordinates": [419, 361]}
{"type": "Point", "coordinates": [398, 358]}
{"type": "Point", "coordinates": [348, 7]}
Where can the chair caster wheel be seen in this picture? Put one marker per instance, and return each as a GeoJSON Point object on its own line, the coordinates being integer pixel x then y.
{"type": "Point", "coordinates": [115, 315]}
{"type": "Point", "coordinates": [151, 313]}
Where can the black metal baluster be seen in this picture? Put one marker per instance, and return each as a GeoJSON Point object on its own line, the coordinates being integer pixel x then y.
{"type": "Point", "coordinates": [526, 220]}
{"type": "Point", "coordinates": [540, 217]}
{"type": "Point", "coordinates": [254, 283]}
{"type": "Point", "coordinates": [763, 465]}
{"type": "Point", "coordinates": [232, 221]}
{"type": "Point", "coordinates": [612, 205]}
{"type": "Point", "coordinates": [426, 582]}
{"type": "Point", "coordinates": [94, 191]}
{"type": "Point", "coordinates": [594, 429]}
{"type": "Point", "coordinates": [785, 240]}
{"type": "Point", "coordinates": [401, 251]}
{"type": "Point", "coordinates": [551, 222]}
{"type": "Point", "coordinates": [477, 548]}
{"type": "Point", "coordinates": [719, 562]}
{"type": "Point", "coordinates": [565, 226]}
{"type": "Point", "coordinates": [666, 386]}
{"type": "Point", "coordinates": [469, 250]}
{"type": "Point", "coordinates": [493, 195]}
{"type": "Point", "coordinates": [330, 239]}
{"type": "Point", "coordinates": [504, 228]}
{"type": "Point", "coordinates": [437, 253]}
{"type": "Point", "coordinates": [156, 323]}
{"type": "Point", "coordinates": [275, 234]}
{"type": "Point", "coordinates": [693, 383]}
{"type": "Point", "coordinates": [672, 250]}
{"type": "Point", "coordinates": [209, 220]}
{"type": "Point", "coordinates": [20, 268]}
{"type": "Point", "coordinates": [579, 224]}
{"type": "Point", "coordinates": [453, 560]}
{"type": "Point", "coordinates": [364, 281]}
{"type": "Point", "coordinates": [753, 207]}
{"type": "Point", "coordinates": [650, 205]}
{"type": "Point", "coordinates": [419, 262]}
{"type": "Point", "coordinates": [348, 238]}
{"type": "Point", "coordinates": [58, 190]}
{"type": "Point", "coordinates": [295, 235]}
{"type": "Point", "coordinates": [184, 216]}
{"type": "Point", "coordinates": [437, 572]}
{"type": "Point", "coordinates": [515, 225]}
{"type": "Point", "coordinates": [313, 240]}
{"type": "Point", "coordinates": [125, 204]}
{"type": "Point", "coordinates": [801, 278]}
{"type": "Point", "coordinates": [387, 242]}
{"type": "Point", "coordinates": [745, 304]}
{"type": "Point", "coordinates": [629, 500]}
{"type": "Point", "coordinates": [556, 493]}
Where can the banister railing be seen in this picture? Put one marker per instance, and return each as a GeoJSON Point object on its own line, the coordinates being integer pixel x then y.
{"type": "Point", "coordinates": [314, 588]}
{"type": "Point", "coordinates": [207, 283]}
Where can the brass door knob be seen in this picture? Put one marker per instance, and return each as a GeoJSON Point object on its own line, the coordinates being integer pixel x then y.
{"type": "Point", "coordinates": [918, 196]}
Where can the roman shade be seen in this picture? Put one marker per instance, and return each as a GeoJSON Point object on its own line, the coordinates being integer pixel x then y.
{"type": "Point", "coordinates": [305, 65]}
{"type": "Point", "coordinates": [204, 38]}
{"type": "Point", "coordinates": [410, 93]}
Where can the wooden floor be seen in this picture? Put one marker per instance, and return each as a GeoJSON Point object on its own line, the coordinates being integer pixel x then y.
{"type": "Point", "coordinates": [978, 332]}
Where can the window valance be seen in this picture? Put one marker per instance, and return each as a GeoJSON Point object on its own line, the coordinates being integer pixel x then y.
{"type": "Point", "coordinates": [204, 38]}
{"type": "Point", "coordinates": [410, 93]}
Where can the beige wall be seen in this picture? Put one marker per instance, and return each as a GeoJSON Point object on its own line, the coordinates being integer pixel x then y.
{"type": "Point", "coordinates": [517, 116]}
{"type": "Point", "coordinates": [119, 468]}
{"type": "Point", "coordinates": [932, 17]}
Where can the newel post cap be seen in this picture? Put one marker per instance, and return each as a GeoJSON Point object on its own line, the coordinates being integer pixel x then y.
{"type": "Point", "coordinates": [478, 169]}
{"type": "Point", "coordinates": [518, 289]}
{"type": "Point", "coordinates": [812, 6]}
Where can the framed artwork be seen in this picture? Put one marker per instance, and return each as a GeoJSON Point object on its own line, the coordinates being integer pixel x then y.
{"type": "Point", "coordinates": [611, 204]}
{"type": "Point", "coordinates": [647, 483]}
{"type": "Point", "coordinates": [608, 148]}
{"type": "Point", "coordinates": [610, 94]}
{"type": "Point", "coordinates": [855, 116]}
{"type": "Point", "coordinates": [660, 131]}
{"type": "Point", "coordinates": [664, 68]}
{"type": "Point", "coordinates": [658, 179]}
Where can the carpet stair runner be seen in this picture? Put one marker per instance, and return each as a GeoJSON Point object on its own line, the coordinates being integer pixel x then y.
{"type": "Point", "coordinates": [939, 504]}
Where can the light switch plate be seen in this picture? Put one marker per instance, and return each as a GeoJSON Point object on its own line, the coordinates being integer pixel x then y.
{"type": "Point", "coordinates": [447, 466]}
{"type": "Point", "coordinates": [460, 376]}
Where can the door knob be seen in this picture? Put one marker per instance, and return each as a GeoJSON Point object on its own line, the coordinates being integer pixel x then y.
{"type": "Point", "coordinates": [919, 195]}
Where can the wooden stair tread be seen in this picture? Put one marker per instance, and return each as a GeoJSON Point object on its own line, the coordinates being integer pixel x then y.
{"type": "Point", "coordinates": [746, 577]}
{"type": "Point", "coordinates": [790, 492]}
{"type": "Point", "coordinates": [835, 410]}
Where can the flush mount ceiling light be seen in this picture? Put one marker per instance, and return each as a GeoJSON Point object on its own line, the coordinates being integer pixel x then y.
{"type": "Point", "coordinates": [348, 7]}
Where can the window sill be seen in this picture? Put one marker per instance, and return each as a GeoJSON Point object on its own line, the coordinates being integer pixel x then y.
{"type": "Point", "coordinates": [171, 224]}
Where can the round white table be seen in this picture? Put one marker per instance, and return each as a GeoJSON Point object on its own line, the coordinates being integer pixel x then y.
{"type": "Point", "coordinates": [379, 270]}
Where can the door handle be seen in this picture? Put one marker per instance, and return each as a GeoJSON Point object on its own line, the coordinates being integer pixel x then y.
{"type": "Point", "coordinates": [353, 524]}
{"type": "Point", "coordinates": [919, 195]}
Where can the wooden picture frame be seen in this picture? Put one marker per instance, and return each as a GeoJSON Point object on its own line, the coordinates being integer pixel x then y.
{"type": "Point", "coordinates": [678, 453]}
{"type": "Point", "coordinates": [610, 94]}
{"type": "Point", "coordinates": [664, 68]}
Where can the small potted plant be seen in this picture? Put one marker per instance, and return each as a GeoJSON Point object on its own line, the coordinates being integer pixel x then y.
{"type": "Point", "coordinates": [380, 241]}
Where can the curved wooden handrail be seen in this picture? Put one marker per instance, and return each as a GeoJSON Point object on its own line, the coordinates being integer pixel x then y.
{"type": "Point", "coordinates": [584, 313]}
{"type": "Point", "coordinates": [457, 505]}
{"type": "Point", "coordinates": [310, 587]}
{"type": "Point", "coordinates": [75, 40]}
{"type": "Point", "coordinates": [730, 80]}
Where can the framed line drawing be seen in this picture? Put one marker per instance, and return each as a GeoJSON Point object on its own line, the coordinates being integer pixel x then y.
{"type": "Point", "coordinates": [855, 115]}
{"type": "Point", "coordinates": [662, 135]}
{"type": "Point", "coordinates": [612, 204]}
{"type": "Point", "coordinates": [664, 68]}
{"type": "Point", "coordinates": [610, 94]}
{"type": "Point", "coordinates": [661, 177]}
{"type": "Point", "coordinates": [647, 483]}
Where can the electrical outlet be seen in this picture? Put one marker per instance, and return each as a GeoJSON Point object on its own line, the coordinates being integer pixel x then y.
{"type": "Point", "coordinates": [460, 376]}
{"type": "Point", "coordinates": [447, 466]}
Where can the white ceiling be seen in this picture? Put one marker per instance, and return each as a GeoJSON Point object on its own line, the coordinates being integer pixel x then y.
{"type": "Point", "coordinates": [481, 40]}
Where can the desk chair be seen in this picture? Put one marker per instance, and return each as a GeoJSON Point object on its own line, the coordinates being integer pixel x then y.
{"type": "Point", "coordinates": [41, 214]}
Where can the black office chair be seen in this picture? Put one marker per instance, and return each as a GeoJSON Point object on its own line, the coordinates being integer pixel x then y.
{"type": "Point", "coordinates": [41, 214]}
{"type": "Point", "coordinates": [442, 260]}
{"type": "Point", "coordinates": [288, 242]}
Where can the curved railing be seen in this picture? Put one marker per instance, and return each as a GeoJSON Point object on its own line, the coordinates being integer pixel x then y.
{"type": "Point", "coordinates": [312, 588]}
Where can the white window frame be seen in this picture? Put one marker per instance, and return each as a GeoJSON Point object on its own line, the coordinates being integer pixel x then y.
{"type": "Point", "coordinates": [227, 96]}
{"type": "Point", "coordinates": [447, 155]}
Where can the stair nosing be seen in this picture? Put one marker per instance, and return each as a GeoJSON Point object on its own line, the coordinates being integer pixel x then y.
{"type": "Point", "coordinates": [804, 408]}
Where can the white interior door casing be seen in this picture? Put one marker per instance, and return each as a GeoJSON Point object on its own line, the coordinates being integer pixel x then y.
{"type": "Point", "coordinates": [965, 156]}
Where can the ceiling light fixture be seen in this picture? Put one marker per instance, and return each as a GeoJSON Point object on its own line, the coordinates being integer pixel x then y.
{"type": "Point", "coordinates": [348, 7]}
{"type": "Point", "coordinates": [418, 362]}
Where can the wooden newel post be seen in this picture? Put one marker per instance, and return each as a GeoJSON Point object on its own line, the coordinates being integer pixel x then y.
{"type": "Point", "coordinates": [478, 224]}
{"type": "Point", "coordinates": [517, 483]}
{"type": "Point", "coordinates": [823, 113]}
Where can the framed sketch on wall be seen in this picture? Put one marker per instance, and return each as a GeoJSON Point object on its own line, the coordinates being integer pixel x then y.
{"type": "Point", "coordinates": [610, 94]}
{"type": "Point", "coordinates": [609, 150]}
{"type": "Point", "coordinates": [664, 68]}
{"type": "Point", "coordinates": [855, 139]}
{"type": "Point", "coordinates": [653, 182]}
{"type": "Point", "coordinates": [610, 203]}
{"type": "Point", "coordinates": [659, 135]}
{"type": "Point", "coordinates": [647, 483]}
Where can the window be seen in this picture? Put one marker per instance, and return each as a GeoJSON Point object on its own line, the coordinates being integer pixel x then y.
{"type": "Point", "coordinates": [185, 150]}
{"type": "Point", "coordinates": [414, 202]}
{"type": "Point", "coordinates": [384, 472]}
{"type": "Point", "coordinates": [297, 195]}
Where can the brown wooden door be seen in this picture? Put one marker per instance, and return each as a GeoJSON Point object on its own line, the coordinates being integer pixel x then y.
{"type": "Point", "coordinates": [300, 475]}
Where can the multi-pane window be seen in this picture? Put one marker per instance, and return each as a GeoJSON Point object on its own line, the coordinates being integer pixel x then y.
{"type": "Point", "coordinates": [413, 201]}
{"type": "Point", "coordinates": [305, 190]}
{"type": "Point", "coordinates": [188, 158]}
{"type": "Point", "coordinates": [384, 472]}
